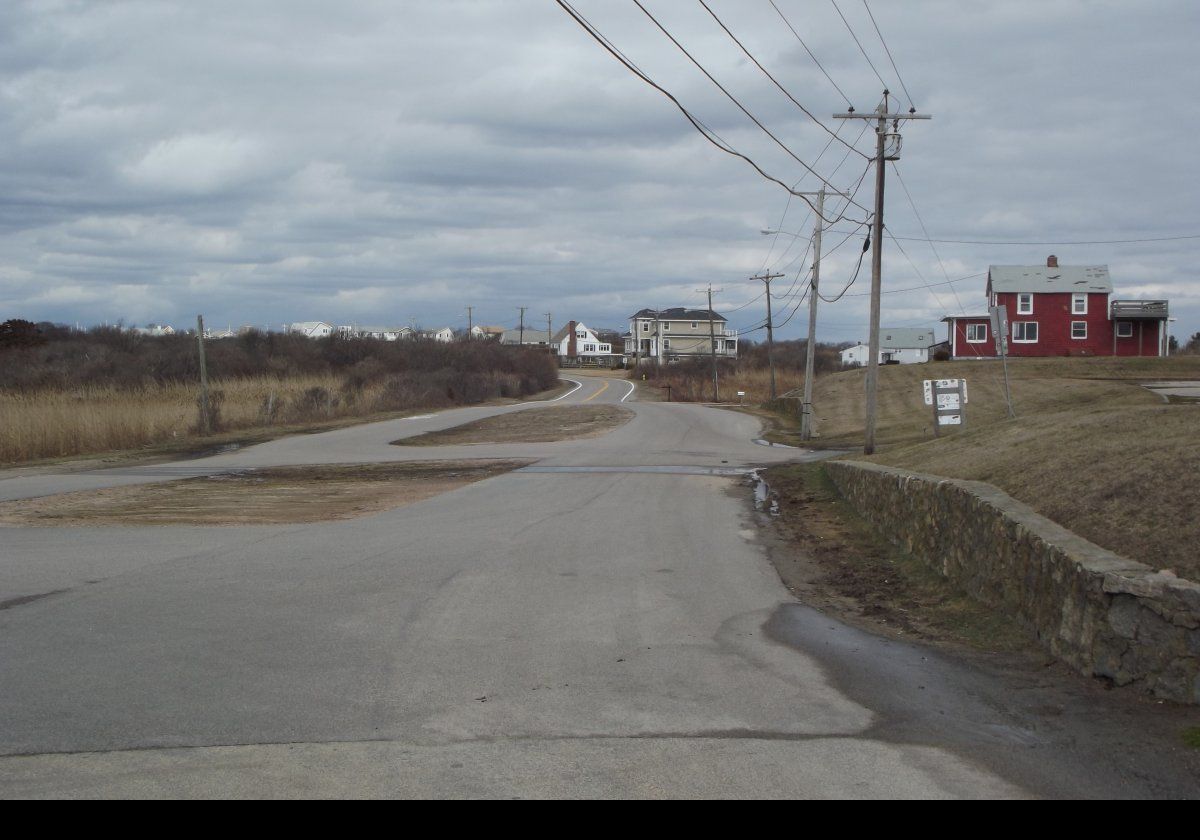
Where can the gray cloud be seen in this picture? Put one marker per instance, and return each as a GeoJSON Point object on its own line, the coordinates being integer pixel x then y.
{"type": "Point", "coordinates": [270, 162]}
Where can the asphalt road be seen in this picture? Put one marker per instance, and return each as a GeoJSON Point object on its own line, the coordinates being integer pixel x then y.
{"type": "Point", "coordinates": [606, 623]}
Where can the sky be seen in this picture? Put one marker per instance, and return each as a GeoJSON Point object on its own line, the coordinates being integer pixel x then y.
{"type": "Point", "coordinates": [392, 163]}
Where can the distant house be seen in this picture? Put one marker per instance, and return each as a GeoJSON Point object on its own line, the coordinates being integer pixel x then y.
{"type": "Point", "coordinates": [576, 344]}
{"type": "Point", "coordinates": [674, 334]}
{"type": "Point", "coordinates": [489, 333]}
{"type": "Point", "coordinates": [528, 336]}
{"type": "Point", "coordinates": [897, 345]}
{"type": "Point", "coordinates": [445, 334]}
{"type": "Point", "coordinates": [155, 330]}
{"type": "Point", "coordinates": [311, 329]}
{"type": "Point", "coordinates": [1058, 310]}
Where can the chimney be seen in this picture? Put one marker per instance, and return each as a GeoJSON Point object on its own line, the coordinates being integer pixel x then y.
{"type": "Point", "coordinates": [1051, 261]}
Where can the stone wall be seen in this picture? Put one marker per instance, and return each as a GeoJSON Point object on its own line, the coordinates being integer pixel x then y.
{"type": "Point", "coordinates": [1103, 614]}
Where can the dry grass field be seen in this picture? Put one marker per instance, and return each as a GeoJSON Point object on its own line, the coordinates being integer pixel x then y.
{"type": "Point", "coordinates": [1089, 448]}
{"type": "Point", "coordinates": [61, 423]}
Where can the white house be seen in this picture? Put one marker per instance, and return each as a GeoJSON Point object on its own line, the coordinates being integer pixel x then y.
{"type": "Point", "coordinates": [897, 345]}
{"type": "Point", "coordinates": [155, 330]}
{"type": "Point", "coordinates": [445, 334]}
{"type": "Point", "coordinates": [311, 329]}
{"type": "Point", "coordinates": [490, 333]}
{"type": "Point", "coordinates": [576, 343]}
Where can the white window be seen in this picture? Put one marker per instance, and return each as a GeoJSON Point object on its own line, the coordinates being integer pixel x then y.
{"type": "Point", "coordinates": [589, 348]}
{"type": "Point", "coordinates": [1079, 329]}
{"type": "Point", "coordinates": [1079, 304]}
{"type": "Point", "coordinates": [1124, 329]}
{"type": "Point", "coordinates": [976, 333]}
{"type": "Point", "coordinates": [666, 326]}
{"type": "Point", "coordinates": [1025, 332]}
{"type": "Point", "coordinates": [1025, 304]}
{"type": "Point", "coordinates": [645, 326]}
{"type": "Point", "coordinates": [694, 326]}
{"type": "Point", "coordinates": [580, 334]}
{"type": "Point", "coordinates": [666, 344]}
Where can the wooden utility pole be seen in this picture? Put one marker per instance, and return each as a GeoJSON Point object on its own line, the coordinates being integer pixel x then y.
{"type": "Point", "coordinates": [204, 417]}
{"type": "Point", "coordinates": [657, 342]}
{"type": "Point", "coordinates": [766, 278]}
{"type": "Point", "coordinates": [550, 337]}
{"type": "Point", "coordinates": [712, 340]}
{"type": "Point", "coordinates": [470, 321]}
{"type": "Point", "coordinates": [882, 117]}
{"type": "Point", "coordinates": [521, 334]}
{"type": "Point", "coordinates": [813, 297]}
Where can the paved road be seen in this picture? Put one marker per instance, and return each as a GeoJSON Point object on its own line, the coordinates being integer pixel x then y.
{"type": "Point", "coordinates": [604, 624]}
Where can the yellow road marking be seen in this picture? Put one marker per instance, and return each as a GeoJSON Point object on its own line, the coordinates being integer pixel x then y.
{"type": "Point", "coordinates": [598, 393]}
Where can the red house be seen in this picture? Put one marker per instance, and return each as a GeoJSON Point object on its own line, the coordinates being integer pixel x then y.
{"type": "Point", "coordinates": [1058, 310]}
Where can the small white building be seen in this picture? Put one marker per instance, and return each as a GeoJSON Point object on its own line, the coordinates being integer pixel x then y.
{"type": "Point", "coordinates": [311, 329]}
{"type": "Point", "coordinates": [897, 345]}
{"type": "Point", "coordinates": [155, 330]}
{"type": "Point", "coordinates": [445, 334]}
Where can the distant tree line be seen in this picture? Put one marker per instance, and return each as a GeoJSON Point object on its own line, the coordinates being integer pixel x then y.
{"type": "Point", "coordinates": [49, 356]}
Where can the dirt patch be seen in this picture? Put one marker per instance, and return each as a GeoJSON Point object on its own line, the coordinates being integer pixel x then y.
{"type": "Point", "coordinates": [568, 422]}
{"type": "Point", "coordinates": [835, 561]}
{"type": "Point", "coordinates": [280, 495]}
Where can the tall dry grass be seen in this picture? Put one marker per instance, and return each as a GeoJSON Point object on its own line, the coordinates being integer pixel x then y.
{"type": "Point", "coordinates": [97, 418]}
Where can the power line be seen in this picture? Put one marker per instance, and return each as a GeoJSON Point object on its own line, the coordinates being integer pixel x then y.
{"type": "Point", "coordinates": [921, 221]}
{"type": "Point", "coordinates": [775, 81]}
{"type": "Point", "coordinates": [706, 132]}
{"type": "Point", "coordinates": [1053, 242]}
{"type": "Point", "coordinates": [889, 55]}
{"type": "Point", "coordinates": [850, 29]}
{"type": "Point", "coordinates": [734, 100]}
{"type": "Point", "coordinates": [810, 53]}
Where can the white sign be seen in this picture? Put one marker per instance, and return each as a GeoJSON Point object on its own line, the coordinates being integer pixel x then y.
{"type": "Point", "coordinates": [928, 392]}
{"type": "Point", "coordinates": [948, 401]}
{"type": "Point", "coordinates": [950, 419]}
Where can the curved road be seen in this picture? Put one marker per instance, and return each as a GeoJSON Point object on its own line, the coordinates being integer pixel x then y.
{"type": "Point", "coordinates": [605, 623]}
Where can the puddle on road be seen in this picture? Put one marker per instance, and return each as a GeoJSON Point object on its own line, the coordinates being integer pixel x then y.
{"type": "Point", "coordinates": [662, 470]}
{"type": "Point", "coordinates": [762, 442]}
{"type": "Point", "coordinates": [765, 501]}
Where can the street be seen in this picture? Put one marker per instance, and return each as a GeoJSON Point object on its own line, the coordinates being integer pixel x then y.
{"type": "Point", "coordinates": [604, 623]}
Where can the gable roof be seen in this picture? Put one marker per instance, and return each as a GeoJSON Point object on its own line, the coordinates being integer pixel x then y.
{"type": "Point", "coordinates": [1054, 279]}
{"type": "Point", "coordinates": [905, 338]}
{"type": "Point", "coordinates": [678, 313]}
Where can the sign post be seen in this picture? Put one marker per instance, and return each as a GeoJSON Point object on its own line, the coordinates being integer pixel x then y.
{"type": "Point", "coordinates": [948, 399]}
{"type": "Point", "coordinates": [1000, 335]}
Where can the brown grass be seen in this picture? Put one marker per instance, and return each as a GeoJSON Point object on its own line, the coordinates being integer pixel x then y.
{"type": "Point", "coordinates": [55, 424]}
{"type": "Point", "coordinates": [278, 495]}
{"type": "Point", "coordinates": [1089, 448]}
{"type": "Point", "coordinates": [567, 422]}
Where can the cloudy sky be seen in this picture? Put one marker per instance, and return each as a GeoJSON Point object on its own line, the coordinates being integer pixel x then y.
{"type": "Point", "coordinates": [395, 162]}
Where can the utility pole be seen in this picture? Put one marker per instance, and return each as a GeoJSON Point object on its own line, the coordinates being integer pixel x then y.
{"type": "Point", "coordinates": [766, 278]}
{"type": "Point", "coordinates": [550, 337]}
{"type": "Point", "coordinates": [470, 322]}
{"type": "Point", "coordinates": [813, 298]}
{"type": "Point", "coordinates": [521, 334]}
{"type": "Point", "coordinates": [882, 117]}
{"type": "Point", "coordinates": [204, 420]}
{"type": "Point", "coordinates": [712, 339]}
{"type": "Point", "coordinates": [657, 343]}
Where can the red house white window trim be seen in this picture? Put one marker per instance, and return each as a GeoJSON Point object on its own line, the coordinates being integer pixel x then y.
{"type": "Point", "coordinates": [977, 333]}
{"type": "Point", "coordinates": [1079, 304]}
{"type": "Point", "coordinates": [1024, 329]}
{"type": "Point", "coordinates": [1079, 330]}
{"type": "Point", "coordinates": [1024, 303]}
{"type": "Point", "coordinates": [1124, 329]}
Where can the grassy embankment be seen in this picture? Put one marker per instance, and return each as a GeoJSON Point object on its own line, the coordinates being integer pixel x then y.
{"type": "Point", "coordinates": [1089, 448]}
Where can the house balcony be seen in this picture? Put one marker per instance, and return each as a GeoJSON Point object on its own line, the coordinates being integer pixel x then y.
{"type": "Point", "coordinates": [1138, 310]}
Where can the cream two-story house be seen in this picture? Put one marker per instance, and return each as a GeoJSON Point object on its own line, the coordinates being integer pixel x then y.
{"type": "Point", "coordinates": [668, 335]}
